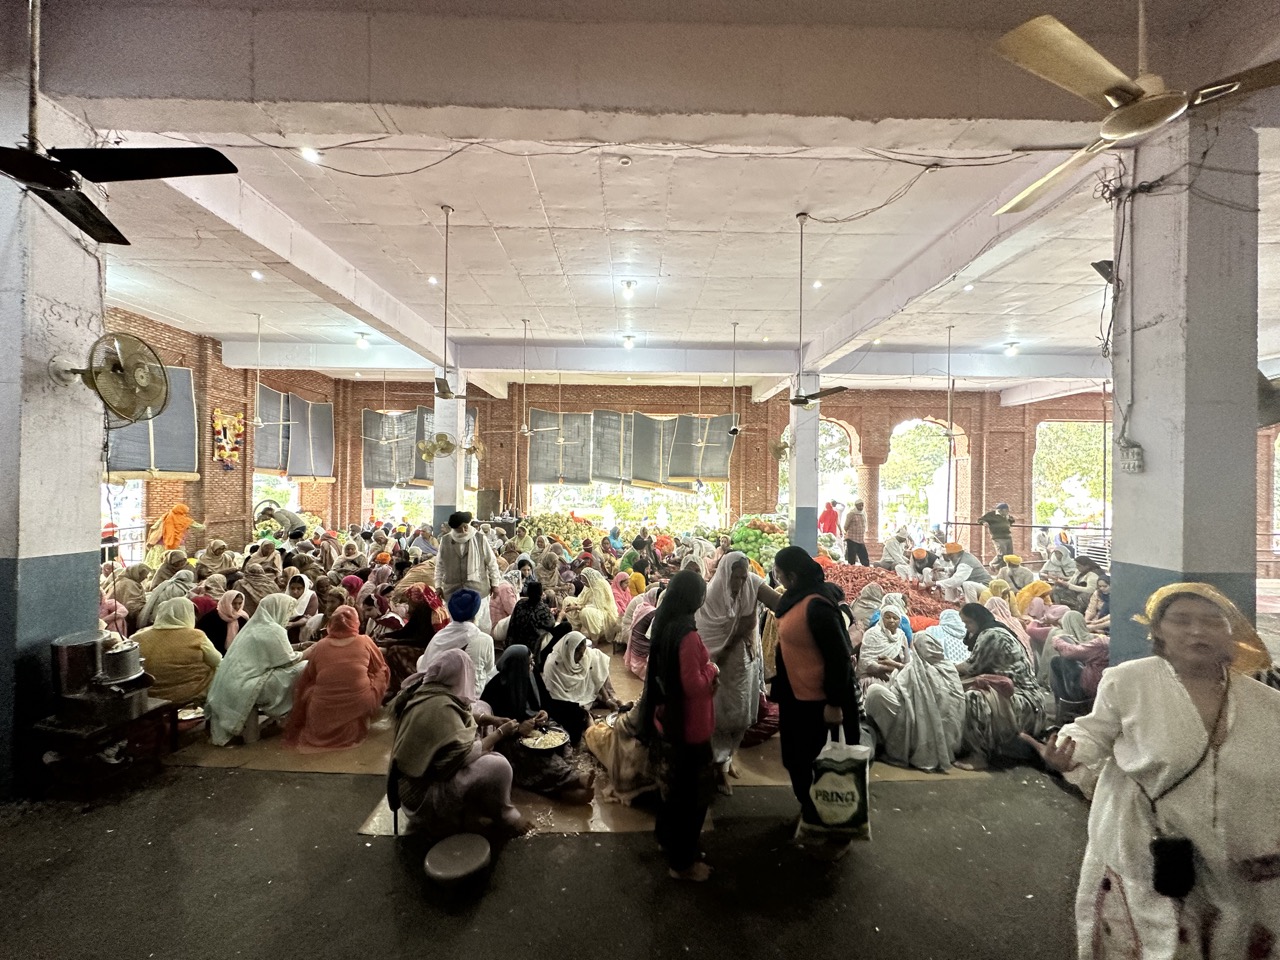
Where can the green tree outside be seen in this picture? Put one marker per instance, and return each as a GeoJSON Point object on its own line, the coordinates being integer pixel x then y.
{"type": "Point", "coordinates": [917, 449]}
{"type": "Point", "coordinates": [1067, 479]}
{"type": "Point", "coordinates": [837, 467]}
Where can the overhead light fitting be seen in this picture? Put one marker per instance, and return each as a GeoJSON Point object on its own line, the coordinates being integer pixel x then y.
{"type": "Point", "coordinates": [817, 284]}
{"type": "Point", "coordinates": [432, 280]}
{"type": "Point", "coordinates": [624, 161]}
{"type": "Point", "coordinates": [1011, 348]}
{"type": "Point", "coordinates": [628, 343]}
{"type": "Point", "coordinates": [766, 339]}
{"type": "Point", "coordinates": [968, 288]}
{"type": "Point", "coordinates": [257, 275]}
{"type": "Point", "coordinates": [358, 374]}
{"type": "Point", "coordinates": [309, 154]}
{"type": "Point", "coordinates": [362, 342]}
{"type": "Point", "coordinates": [1106, 269]}
{"type": "Point", "coordinates": [876, 342]}
{"type": "Point", "coordinates": [628, 289]}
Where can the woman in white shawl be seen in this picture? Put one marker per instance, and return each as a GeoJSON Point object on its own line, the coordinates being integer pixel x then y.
{"type": "Point", "coordinates": [1059, 566]}
{"type": "Point", "coordinates": [728, 625]}
{"type": "Point", "coordinates": [920, 711]}
{"type": "Point", "coordinates": [594, 612]}
{"type": "Point", "coordinates": [884, 647]}
{"type": "Point", "coordinates": [178, 585]}
{"type": "Point", "coordinates": [950, 632]}
{"type": "Point", "coordinates": [575, 676]}
{"type": "Point", "coordinates": [257, 673]}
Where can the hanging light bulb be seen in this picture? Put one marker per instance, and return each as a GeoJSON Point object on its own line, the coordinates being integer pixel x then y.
{"type": "Point", "coordinates": [362, 342]}
{"type": "Point", "coordinates": [628, 289]}
{"type": "Point", "coordinates": [628, 343]}
{"type": "Point", "coordinates": [1011, 348]}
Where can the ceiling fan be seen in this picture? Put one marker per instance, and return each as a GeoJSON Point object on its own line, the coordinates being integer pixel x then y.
{"type": "Point", "coordinates": [525, 429]}
{"type": "Point", "coordinates": [802, 399]}
{"type": "Point", "coordinates": [383, 441]}
{"type": "Point", "coordinates": [701, 441]}
{"type": "Point", "coordinates": [257, 422]}
{"type": "Point", "coordinates": [733, 386]}
{"type": "Point", "coordinates": [560, 440]}
{"type": "Point", "coordinates": [1134, 108]}
{"type": "Point", "coordinates": [443, 390]}
{"type": "Point", "coordinates": [56, 175]}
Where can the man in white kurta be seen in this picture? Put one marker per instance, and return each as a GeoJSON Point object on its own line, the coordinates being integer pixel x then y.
{"type": "Point", "coordinates": [465, 560]}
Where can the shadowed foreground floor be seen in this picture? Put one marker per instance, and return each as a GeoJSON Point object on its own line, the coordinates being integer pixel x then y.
{"type": "Point", "coordinates": [224, 863]}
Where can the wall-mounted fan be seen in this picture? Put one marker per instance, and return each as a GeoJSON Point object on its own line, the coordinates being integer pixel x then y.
{"type": "Point", "coordinates": [779, 449]}
{"type": "Point", "coordinates": [800, 398]}
{"type": "Point", "coordinates": [125, 373]}
{"type": "Point", "coordinates": [440, 445]}
{"type": "Point", "coordinates": [56, 175]}
{"type": "Point", "coordinates": [476, 448]}
{"type": "Point", "coordinates": [1134, 108]}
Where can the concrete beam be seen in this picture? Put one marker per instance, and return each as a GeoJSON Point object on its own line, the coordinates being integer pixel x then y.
{"type": "Point", "coordinates": [878, 362]}
{"type": "Point", "coordinates": [509, 357]}
{"type": "Point", "coordinates": [1046, 390]}
{"type": "Point", "coordinates": [322, 356]}
{"type": "Point", "coordinates": [245, 52]}
{"type": "Point", "coordinates": [972, 247]}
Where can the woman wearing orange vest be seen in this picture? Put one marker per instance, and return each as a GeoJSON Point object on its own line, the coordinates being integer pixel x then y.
{"type": "Point", "coordinates": [814, 688]}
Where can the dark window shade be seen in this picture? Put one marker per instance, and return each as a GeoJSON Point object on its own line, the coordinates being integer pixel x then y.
{"type": "Point", "coordinates": [310, 446]}
{"type": "Point", "coordinates": [611, 446]}
{"type": "Point", "coordinates": [710, 461]}
{"type": "Point", "coordinates": [391, 463]}
{"type": "Point", "coordinates": [163, 444]}
{"type": "Point", "coordinates": [424, 471]}
{"type": "Point", "coordinates": [551, 462]}
{"type": "Point", "coordinates": [271, 442]}
{"type": "Point", "coordinates": [471, 465]}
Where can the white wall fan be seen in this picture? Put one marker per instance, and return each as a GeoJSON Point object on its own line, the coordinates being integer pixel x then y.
{"type": "Point", "coordinates": [126, 374]}
{"type": "Point", "coordinates": [1134, 108]}
{"type": "Point", "coordinates": [56, 175]}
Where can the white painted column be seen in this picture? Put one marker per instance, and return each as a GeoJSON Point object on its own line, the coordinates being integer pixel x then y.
{"type": "Point", "coordinates": [450, 418]}
{"type": "Point", "coordinates": [51, 289]}
{"type": "Point", "coordinates": [802, 465]}
{"type": "Point", "coordinates": [1186, 338]}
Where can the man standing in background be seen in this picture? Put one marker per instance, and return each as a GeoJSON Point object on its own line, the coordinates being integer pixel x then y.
{"type": "Point", "coordinates": [1000, 525]}
{"type": "Point", "coordinates": [855, 535]}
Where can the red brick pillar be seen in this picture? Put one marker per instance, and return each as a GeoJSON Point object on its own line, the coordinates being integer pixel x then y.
{"type": "Point", "coordinates": [869, 491]}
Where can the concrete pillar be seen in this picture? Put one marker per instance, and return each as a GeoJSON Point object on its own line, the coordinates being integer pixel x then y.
{"type": "Point", "coordinates": [802, 504]}
{"type": "Point", "coordinates": [450, 418]}
{"type": "Point", "coordinates": [869, 491]}
{"type": "Point", "coordinates": [1186, 352]}
{"type": "Point", "coordinates": [51, 290]}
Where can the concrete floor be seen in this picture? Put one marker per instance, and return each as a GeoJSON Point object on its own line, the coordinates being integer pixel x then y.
{"type": "Point", "coordinates": [204, 863]}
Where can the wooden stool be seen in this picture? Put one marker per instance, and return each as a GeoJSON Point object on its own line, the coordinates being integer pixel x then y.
{"type": "Point", "coordinates": [457, 858]}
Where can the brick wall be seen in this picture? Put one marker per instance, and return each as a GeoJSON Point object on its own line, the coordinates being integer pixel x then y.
{"type": "Point", "coordinates": [995, 446]}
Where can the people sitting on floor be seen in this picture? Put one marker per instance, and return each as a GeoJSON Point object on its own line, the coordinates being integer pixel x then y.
{"type": "Point", "coordinates": [966, 575]}
{"type": "Point", "coordinates": [922, 567]}
{"type": "Point", "coordinates": [258, 672]}
{"type": "Point", "coordinates": [1003, 698]}
{"type": "Point", "coordinates": [895, 550]}
{"type": "Point", "coordinates": [1014, 573]}
{"type": "Point", "coordinates": [1097, 615]}
{"type": "Point", "coordinates": [1078, 589]}
{"type": "Point", "coordinates": [178, 656]}
{"type": "Point", "coordinates": [636, 658]}
{"type": "Point", "coordinates": [513, 693]}
{"type": "Point", "coordinates": [178, 585]}
{"type": "Point", "coordinates": [594, 612]}
{"type": "Point", "coordinates": [883, 650]}
{"type": "Point", "coordinates": [919, 712]}
{"type": "Point", "coordinates": [463, 634]}
{"type": "Point", "coordinates": [223, 622]}
{"type": "Point", "coordinates": [576, 676]}
{"type": "Point", "coordinates": [340, 690]}
{"type": "Point", "coordinates": [445, 775]}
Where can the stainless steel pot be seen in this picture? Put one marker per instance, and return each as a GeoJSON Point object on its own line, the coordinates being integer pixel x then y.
{"type": "Point", "coordinates": [121, 662]}
{"type": "Point", "coordinates": [77, 660]}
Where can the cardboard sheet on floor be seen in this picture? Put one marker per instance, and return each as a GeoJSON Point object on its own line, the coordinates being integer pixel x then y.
{"type": "Point", "coordinates": [371, 757]}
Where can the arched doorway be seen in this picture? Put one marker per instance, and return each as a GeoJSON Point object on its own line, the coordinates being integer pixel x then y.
{"type": "Point", "coordinates": [924, 479]}
{"type": "Point", "coordinates": [1070, 482]}
{"type": "Point", "coordinates": [837, 466]}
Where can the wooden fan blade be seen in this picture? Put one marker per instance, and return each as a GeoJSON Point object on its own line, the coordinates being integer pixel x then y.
{"type": "Point", "coordinates": [1241, 84]}
{"type": "Point", "coordinates": [1046, 47]}
{"type": "Point", "coordinates": [1037, 190]}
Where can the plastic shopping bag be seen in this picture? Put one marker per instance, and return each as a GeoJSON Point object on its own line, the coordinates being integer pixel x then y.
{"type": "Point", "coordinates": [840, 792]}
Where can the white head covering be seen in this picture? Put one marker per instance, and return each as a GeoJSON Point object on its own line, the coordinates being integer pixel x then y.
{"type": "Point", "coordinates": [304, 601]}
{"type": "Point", "coordinates": [878, 642]}
{"type": "Point", "coordinates": [175, 614]}
{"type": "Point", "coordinates": [573, 680]}
{"type": "Point", "coordinates": [721, 611]}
